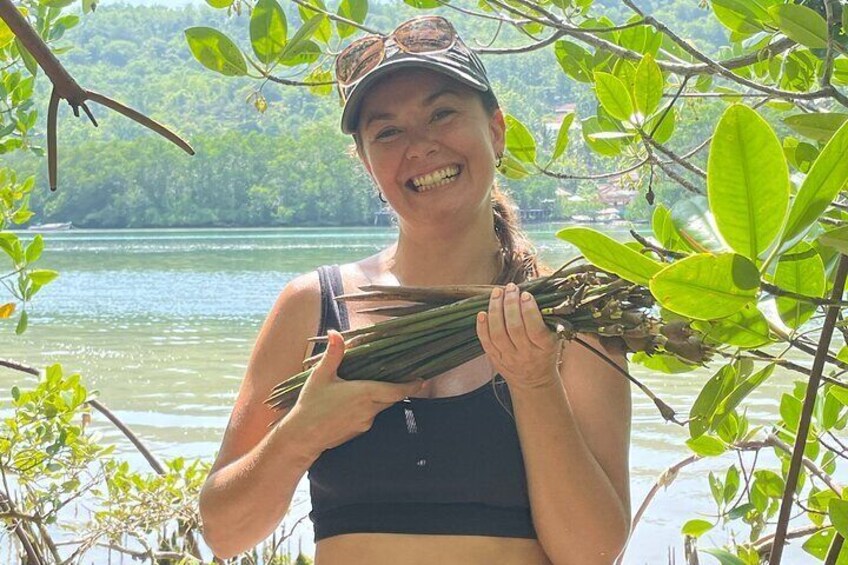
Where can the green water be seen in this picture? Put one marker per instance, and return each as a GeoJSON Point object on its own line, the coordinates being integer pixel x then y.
{"type": "Point", "coordinates": [162, 323]}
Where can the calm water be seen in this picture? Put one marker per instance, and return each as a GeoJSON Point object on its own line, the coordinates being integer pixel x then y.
{"type": "Point", "coordinates": [162, 324]}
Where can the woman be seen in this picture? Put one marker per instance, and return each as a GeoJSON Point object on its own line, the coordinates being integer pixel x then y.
{"type": "Point", "coordinates": [435, 473]}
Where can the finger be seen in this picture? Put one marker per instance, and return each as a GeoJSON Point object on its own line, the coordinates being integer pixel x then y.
{"type": "Point", "coordinates": [497, 325]}
{"type": "Point", "coordinates": [332, 358]}
{"type": "Point", "coordinates": [483, 333]}
{"type": "Point", "coordinates": [514, 321]}
{"type": "Point", "coordinates": [390, 393]}
{"type": "Point", "coordinates": [537, 332]}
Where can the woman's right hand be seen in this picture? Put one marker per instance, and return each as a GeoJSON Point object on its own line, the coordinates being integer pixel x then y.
{"type": "Point", "coordinates": [334, 410]}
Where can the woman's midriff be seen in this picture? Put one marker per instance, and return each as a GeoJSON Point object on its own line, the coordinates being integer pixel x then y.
{"type": "Point", "coordinates": [421, 549]}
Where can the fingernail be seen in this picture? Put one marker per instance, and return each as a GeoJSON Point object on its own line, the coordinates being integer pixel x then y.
{"type": "Point", "coordinates": [481, 316]}
{"type": "Point", "coordinates": [496, 292]}
{"type": "Point", "coordinates": [525, 296]}
{"type": "Point", "coordinates": [511, 287]}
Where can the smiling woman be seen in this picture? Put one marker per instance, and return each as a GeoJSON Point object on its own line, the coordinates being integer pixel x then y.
{"type": "Point", "coordinates": [503, 459]}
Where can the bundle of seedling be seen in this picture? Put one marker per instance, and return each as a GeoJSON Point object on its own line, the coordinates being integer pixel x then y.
{"type": "Point", "coordinates": [435, 330]}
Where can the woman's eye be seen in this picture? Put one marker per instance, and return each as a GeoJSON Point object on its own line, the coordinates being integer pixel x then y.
{"type": "Point", "coordinates": [386, 133]}
{"type": "Point", "coordinates": [440, 114]}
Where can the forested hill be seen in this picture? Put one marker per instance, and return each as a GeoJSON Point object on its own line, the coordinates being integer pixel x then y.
{"type": "Point", "coordinates": [286, 166]}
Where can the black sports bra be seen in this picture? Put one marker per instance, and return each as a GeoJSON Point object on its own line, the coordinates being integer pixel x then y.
{"type": "Point", "coordinates": [449, 465]}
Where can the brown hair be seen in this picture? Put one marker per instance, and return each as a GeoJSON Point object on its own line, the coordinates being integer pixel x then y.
{"type": "Point", "coordinates": [520, 258]}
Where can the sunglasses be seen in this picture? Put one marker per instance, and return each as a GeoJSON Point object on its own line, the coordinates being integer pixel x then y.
{"type": "Point", "coordinates": [425, 34]}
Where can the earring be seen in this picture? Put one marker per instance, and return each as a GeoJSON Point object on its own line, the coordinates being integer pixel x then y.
{"type": "Point", "coordinates": [499, 161]}
{"type": "Point", "coordinates": [383, 200]}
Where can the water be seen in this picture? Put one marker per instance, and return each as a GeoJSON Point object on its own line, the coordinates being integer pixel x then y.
{"type": "Point", "coordinates": [162, 323]}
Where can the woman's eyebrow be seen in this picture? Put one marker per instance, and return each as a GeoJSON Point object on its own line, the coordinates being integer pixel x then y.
{"type": "Point", "coordinates": [427, 101]}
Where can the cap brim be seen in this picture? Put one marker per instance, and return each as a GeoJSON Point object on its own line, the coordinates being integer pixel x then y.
{"type": "Point", "coordinates": [350, 113]}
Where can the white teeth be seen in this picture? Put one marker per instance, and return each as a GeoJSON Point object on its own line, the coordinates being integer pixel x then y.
{"type": "Point", "coordinates": [436, 178]}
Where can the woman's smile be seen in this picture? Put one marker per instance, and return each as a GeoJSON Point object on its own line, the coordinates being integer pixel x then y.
{"type": "Point", "coordinates": [437, 178]}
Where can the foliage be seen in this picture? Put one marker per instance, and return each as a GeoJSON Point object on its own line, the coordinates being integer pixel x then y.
{"type": "Point", "coordinates": [748, 257]}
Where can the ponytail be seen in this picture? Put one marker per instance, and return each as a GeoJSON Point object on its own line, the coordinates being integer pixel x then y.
{"type": "Point", "coordinates": [519, 256]}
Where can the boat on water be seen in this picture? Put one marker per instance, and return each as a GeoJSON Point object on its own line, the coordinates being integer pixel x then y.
{"type": "Point", "coordinates": [51, 227]}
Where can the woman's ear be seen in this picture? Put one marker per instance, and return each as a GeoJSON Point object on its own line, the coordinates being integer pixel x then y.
{"type": "Point", "coordinates": [497, 126]}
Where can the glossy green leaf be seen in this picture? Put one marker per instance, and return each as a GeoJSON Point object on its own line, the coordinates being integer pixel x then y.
{"type": "Point", "coordinates": [29, 61]}
{"type": "Point", "coordinates": [519, 140]}
{"type": "Point", "coordinates": [836, 238]}
{"type": "Point", "coordinates": [300, 53]}
{"type": "Point", "coordinates": [742, 390]}
{"type": "Point", "coordinates": [512, 168]}
{"type": "Point", "coordinates": [606, 253]}
{"type": "Point", "coordinates": [268, 30]}
{"type": "Point", "coordinates": [42, 276]}
{"type": "Point", "coordinates": [707, 286]}
{"type": "Point", "coordinates": [707, 446]}
{"type": "Point", "coordinates": [819, 126]}
{"type": "Point", "coordinates": [574, 60]}
{"type": "Point", "coordinates": [724, 557]}
{"type": "Point", "coordinates": [301, 39]}
{"type": "Point", "coordinates": [662, 362]}
{"type": "Point", "coordinates": [743, 16]}
{"type": "Point", "coordinates": [801, 24]}
{"type": "Point", "coordinates": [695, 224]}
{"type": "Point", "coordinates": [715, 389]}
{"type": "Point", "coordinates": [425, 4]}
{"type": "Point", "coordinates": [323, 29]}
{"type": "Point", "coordinates": [747, 181]}
{"type": "Point", "coordinates": [770, 482]}
{"type": "Point", "coordinates": [22, 323]}
{"type": "Point", "coordinates": [216, 51]}
{"type": "Point", "coordinates": [6, 35]}
{"type": "Point", "coordinates": [220, 4]}
{"type": "Point", "coordinates": [353, 10]}
{"type": "Point", "coordinates": [34, 249]}
{"type": "Point", "coordinates": [594, 125]}
{"type": "Point", "coordinates": [840, 394]}
{"type": "Point", "coordinates": [319, 75]}
{"type": "Point", "coordinates": [790, 411]}
{"type": "Point", "coordinates": [626, 72]}
{"type": "Point", "coordinates": [562, 137]}
{"type": "Point", "coordinates": [818, 544]}
{"type": "Point", "coordinates": [826, 178]}
{"type": "Point", "coordinates": [696, 527]}
{"type": "Point", "coordinates": [731, 484]}
{"type": "Point", "coordinates": [830, 412]}
{"type": "Point", "coordinates": [642, 39]}
{"type": "Point", "coordinates": [665, 231]}
{"type": "Point", "coordinates": [667, 122]}
{"type": "Point", "coordinates": [613, 96]}
{"type": "Point", "coordinates": [746, 328]}
{"type": "Point", "coordinates": [837, 510]}
{"type": "Point", "coordinates": [648, 86]}
{"type": "Point", "coordinates": [799, 270]}
{"type": "Point", "coordinates": [800, 155]}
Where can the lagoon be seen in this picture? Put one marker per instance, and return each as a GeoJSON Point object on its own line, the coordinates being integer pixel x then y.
{"type": "Point", "coordinates": [162, 322]}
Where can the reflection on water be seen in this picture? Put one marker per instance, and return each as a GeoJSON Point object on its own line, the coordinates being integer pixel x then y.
{"type": "Point", "coordinates": [162, 323]}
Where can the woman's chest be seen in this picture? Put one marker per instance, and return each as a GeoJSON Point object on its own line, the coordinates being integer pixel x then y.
{"type": "Point", "coordinates": [452, 450]}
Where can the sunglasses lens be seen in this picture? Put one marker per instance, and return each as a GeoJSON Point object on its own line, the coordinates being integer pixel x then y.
{"type": "Point", "coordinates": [358, 58]}
{"type": "Point", "coordinates": [424, 35]}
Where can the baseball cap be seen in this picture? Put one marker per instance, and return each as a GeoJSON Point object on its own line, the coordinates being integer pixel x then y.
{"type": "Point", "coordinates": [429, 42]}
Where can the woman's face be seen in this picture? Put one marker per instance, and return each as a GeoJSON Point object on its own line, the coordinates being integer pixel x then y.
{"type": "Point", "coordinates": [429, 144]}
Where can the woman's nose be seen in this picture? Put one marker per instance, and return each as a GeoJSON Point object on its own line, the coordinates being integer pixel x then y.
{"type": "Point", "coordinates": [421, 144]}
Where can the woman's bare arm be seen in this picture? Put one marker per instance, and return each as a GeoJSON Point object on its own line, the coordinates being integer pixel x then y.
{"type": "Point", "coordinates": [253, 479]}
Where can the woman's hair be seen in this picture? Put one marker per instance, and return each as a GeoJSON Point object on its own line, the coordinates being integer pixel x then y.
{"type": "Point", "coordinates": [519, 257]}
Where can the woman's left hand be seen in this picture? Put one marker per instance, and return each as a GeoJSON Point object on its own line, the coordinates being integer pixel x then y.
{"type": "Point", "coordinates": [514, 336]}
